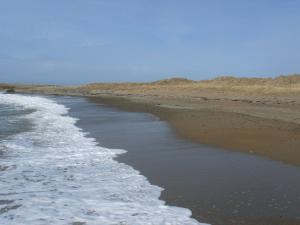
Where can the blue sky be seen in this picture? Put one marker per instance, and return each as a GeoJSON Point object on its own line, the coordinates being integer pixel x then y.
{"type": "Point", "coordinates": [79, 41]}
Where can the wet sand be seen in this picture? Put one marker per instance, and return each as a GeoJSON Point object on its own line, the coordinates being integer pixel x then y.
{"type": "Point", "coordinates": [220, 187]}
{"type": "Point", "coordinates": [264, 135]}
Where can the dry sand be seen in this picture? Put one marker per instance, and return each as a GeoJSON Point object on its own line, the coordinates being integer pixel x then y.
{"type": "Point", "coordinates": [253, 115]}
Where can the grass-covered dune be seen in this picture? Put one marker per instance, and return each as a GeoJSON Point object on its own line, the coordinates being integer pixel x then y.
{"type": "Point", "coordinates": [281, 85]}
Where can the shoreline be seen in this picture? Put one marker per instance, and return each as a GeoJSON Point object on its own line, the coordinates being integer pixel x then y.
{"type": "Point", "coordinates": [245, 179]}
{"type": "Point", "coordinates": [265, 125]}
{"type": "Point", "coordinates": [272, 138]}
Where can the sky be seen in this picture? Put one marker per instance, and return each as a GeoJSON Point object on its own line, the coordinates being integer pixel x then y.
{"type": "Point", "coordinates": [81, 41]}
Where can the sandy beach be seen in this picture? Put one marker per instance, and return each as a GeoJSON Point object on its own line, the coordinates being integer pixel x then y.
{"type": "Point", "coordinates": [264, 135]}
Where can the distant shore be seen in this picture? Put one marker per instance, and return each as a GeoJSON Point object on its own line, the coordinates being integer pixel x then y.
{"type": "Point", "coordinates": [253, 115]}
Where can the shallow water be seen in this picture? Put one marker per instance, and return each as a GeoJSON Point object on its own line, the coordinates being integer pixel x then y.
{"type": "Point", "coordinates": [220, 187]}
{"type": "Point", "coordinates": [52, 173]}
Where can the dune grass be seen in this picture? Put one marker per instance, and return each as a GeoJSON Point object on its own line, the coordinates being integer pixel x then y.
{"type": "Point", "coordinates": [256, 86]}
{"type": "Point", "coordinates": [281, 85]}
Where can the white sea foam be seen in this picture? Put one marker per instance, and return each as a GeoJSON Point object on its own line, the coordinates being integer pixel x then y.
{"type": "Point", "coordinates": [57, 175]}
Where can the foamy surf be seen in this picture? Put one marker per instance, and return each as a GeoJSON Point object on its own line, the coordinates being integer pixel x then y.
{"type": "Point", "coordinates": [55, 174]}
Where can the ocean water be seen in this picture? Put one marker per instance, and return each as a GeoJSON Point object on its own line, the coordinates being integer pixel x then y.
{"type": "Point", "coordinates": [51, 172]}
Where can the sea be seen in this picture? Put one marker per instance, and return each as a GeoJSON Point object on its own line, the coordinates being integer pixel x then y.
{"type": "Point", "coordinates": [53, 172]}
